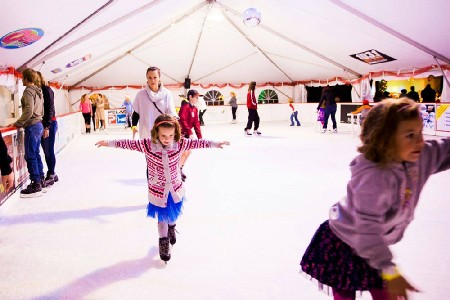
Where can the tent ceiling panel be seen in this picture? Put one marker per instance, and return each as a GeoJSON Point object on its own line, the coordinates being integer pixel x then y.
{"type": "Point", "coordinates": [112, 76]}
{"type": "Point", "coordinates": [255, 68]}
{"type": "Point", "coordinates": [426, 23]}
{"type": "Point", "coordinates": [46, 16]}
{"type": "Point", "coordinates": [299, 40]}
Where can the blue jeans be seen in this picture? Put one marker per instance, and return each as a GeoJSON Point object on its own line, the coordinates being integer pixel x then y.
{"type": "Point", "coordinates": [32, 145]}
{"type": "Point", "coordinates": [294, 116]}
{"type": "Point", "coordinates": [48, 144]}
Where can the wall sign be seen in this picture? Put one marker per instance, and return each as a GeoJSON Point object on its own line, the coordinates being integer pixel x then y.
{"type": "Point", "coordinates": [21, 38]}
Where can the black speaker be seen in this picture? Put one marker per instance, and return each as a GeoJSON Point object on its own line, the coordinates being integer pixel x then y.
{"type": "Point", "coordinates": [187, 83]}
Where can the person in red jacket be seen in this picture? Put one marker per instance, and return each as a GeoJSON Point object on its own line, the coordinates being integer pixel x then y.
{"type": "Point", "coordinates": [189, 122]}
{"type": "Point", "coordinates": [252, 106]}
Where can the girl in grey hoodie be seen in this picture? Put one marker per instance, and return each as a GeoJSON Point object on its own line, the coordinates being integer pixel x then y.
{"type": "Point", "coordinates": [350, 251]}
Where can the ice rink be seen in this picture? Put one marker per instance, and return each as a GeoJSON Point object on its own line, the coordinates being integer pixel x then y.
{"type": "Point", "coordinates": [250, 213]}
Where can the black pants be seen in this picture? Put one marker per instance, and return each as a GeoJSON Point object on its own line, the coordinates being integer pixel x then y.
{"type": "Point", "coordinates": [252, 117]}
{"type": "Point", "coordinates": [93, 115]}
{"type": "Point", "coordinates": [233, 112]}
{"type": "Point", "coordinates": [200, 116]}
{"type": "Point", "coordinates": [330, 111]}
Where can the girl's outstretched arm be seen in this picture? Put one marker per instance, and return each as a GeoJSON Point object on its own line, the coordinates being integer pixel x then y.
{"type": "Point", "coordinates": [101, 144]}
{"type": "Point", "coordinates": [135, 145]}
{"type": "Point", "coordinates": [221, 144]}
{"type": "Point", "coordinates": [200, 143]}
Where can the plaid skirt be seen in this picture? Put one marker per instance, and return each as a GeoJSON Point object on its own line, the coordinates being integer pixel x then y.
{"type": "Point", "coordinates": [334, 263]}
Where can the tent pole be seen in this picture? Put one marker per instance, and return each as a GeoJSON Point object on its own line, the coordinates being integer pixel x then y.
{"type": "Point", "coordinates": [21, 68]}
{"type": "Point", "coordinates": [442, 71]}
{"type": "Point", "coordinates": [352, 84]}
{"type": "Point", "coordinates": [198, 42]}
{"type": "Point", "coordinates": [40, 68]}
{"type": "Point", "coordinates": [390, 30]}
{"type": "Point", "coordinates": [294, 42]}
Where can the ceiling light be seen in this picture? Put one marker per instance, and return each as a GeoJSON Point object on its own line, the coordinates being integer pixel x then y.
{"type": "Point", "coordinates": [251, 17]}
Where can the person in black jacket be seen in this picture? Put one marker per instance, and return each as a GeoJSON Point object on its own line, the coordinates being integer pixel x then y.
{"type": "Point", "coordinates": [5, 166]}
{"type": "Point", "coordinates": [412, 94]}
{"type": "Point", "coordinates": [50, 129]}
{"type": "Point", "coordinates": [428, 94]}
{"type": "Point", "coordinates": [330, 108]}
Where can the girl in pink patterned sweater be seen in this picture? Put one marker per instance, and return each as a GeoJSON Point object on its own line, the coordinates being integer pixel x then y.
{"type": "Point", "coordinates": [165, 188]}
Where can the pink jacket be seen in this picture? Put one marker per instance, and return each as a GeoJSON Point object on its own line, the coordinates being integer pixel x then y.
{"type": "Point", "coordinates": [85, 106]}
{"type": "Point", "coordinates": [163, 168]}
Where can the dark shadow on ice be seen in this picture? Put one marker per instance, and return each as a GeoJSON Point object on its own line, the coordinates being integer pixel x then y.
{"type": "Point", "coordinates": [129, 269]}
{"type": "Point", "coordinates": [93, 214]}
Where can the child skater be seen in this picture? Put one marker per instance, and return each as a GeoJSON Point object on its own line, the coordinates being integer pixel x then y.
{"type": "Point", "coordinates": [165, 188]}
{"type": "Point", "coordinates": [189, 122]}
{"type": "Point", "coordinates": [294, 114]}
{"type": "Point", "coordinates": [350, 251]}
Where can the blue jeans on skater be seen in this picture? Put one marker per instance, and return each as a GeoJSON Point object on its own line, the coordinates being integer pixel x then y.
{"type": "Point", "coordinates": [330, 111]}
{"type": "Point", "coordinates": [294, 116]}
{"type": "Point", "coordinates": [32, 144]}
{"type": "Point", "coordinates": [48, 144]}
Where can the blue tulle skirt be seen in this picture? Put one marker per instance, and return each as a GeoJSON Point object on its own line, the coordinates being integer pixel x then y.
{"type": "Point", "coordinates": [168, 214]}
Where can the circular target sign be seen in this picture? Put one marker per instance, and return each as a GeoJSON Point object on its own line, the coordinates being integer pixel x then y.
{"type": "Point", "coordinates": [21, 38]}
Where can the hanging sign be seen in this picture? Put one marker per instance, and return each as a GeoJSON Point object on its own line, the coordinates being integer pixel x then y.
{"type": "Point", "coordinates": [57, 70]}
{"type": "Point", "coordinates": [78, 61]}
{"type": "Point", "coordinates": [372, 57]}
{"type": "Point", "coordinates": [21, 38]}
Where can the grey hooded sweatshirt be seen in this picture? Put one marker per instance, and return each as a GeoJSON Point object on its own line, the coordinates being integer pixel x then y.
{"type": "Point", "coordinates": [380, 202]}
{"type": "Point", "coordinates": [32, 107]}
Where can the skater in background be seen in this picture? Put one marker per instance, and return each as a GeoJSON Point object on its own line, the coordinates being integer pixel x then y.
{"type": "Point", "coordinates": [93, 99]}
{"type": "Point", "coordinates": [128, 110]}
{"type": "Point", "coordinates": [428, 95]}
{"type": "Point", "coordinates": [86, 111]}
{"type": "Point", "coordinates": [294, 114]}
{"type": "Point", "coordinates": [328, 98]}
{"type": "Point", "coordinates": [189, 121]}
{"type": "Point", "coordinates": [50, 129]}
{"type": "Point", "coordinates": [252, 106]}
{"type": "Point", "coordinates": [363, 110]}
{"type": "Point", "coordinates": [234, 106]}
{"type": "Point", "coordinates": [166, 192]}
{"type": "Point", "coordinates": [403, 93]}
{"type": "Point", "coordinates": [5, 167]}
{"type": "Point", "coordinates": [201, 105]}
{"type": "Point", "coordinates": [100, 112]}
{"type": "Point", "coordinates": [412, 94]}
{"type": "Point", "coordinates": [350, 251]}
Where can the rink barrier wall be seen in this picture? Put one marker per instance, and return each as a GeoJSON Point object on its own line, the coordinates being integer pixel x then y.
{"type": "Point", "coordinates": [68, 130]}
{"type": "Point", "coordinates": [436, 116]}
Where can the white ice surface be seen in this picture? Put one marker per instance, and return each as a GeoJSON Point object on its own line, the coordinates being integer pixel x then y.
{"type": "Point", "coordinates": [252, 209]}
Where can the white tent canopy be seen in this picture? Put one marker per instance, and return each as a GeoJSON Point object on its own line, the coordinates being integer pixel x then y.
{"type": "Point", "coordinates": [296, 41]}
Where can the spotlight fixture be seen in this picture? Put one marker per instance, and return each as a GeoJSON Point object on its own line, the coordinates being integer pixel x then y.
{"type": "Point", "coordinates": [251, 17]}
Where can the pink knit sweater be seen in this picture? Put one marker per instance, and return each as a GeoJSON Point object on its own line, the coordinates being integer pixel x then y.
{"type": "Point", "coordinates": [163, 168]}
